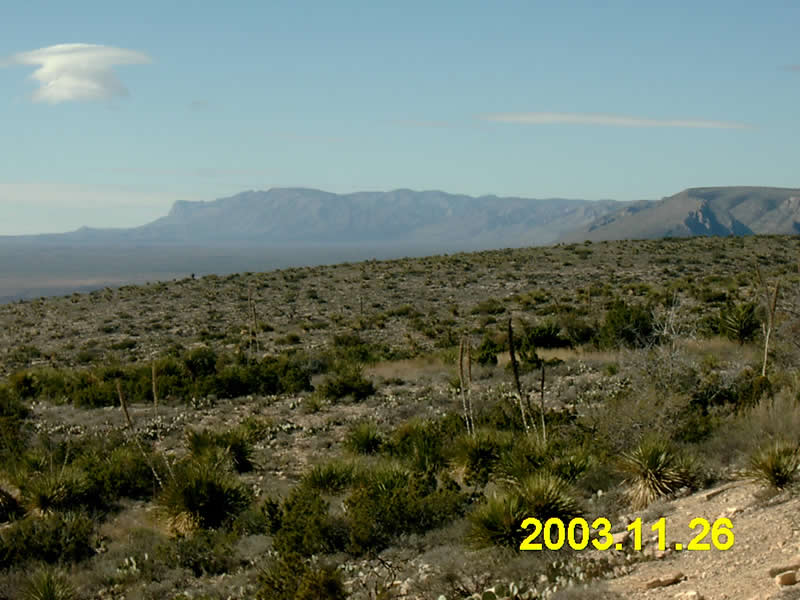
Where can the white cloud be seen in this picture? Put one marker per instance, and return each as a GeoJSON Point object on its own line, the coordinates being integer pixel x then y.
{"type": "Point", "coordinates": [549, 118]}
{"type": "Point", "coordinates": [77, 71]}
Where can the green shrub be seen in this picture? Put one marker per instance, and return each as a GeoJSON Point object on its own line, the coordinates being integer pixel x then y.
{"type": "Point", "coordinates": [364, 438]}
{"type": "Point", "coordinates": [654, 470]}
{"type": "Point", "coordinates": [203, 493]}
{"type": "Point", "coordinates": [546, 335]}
{"type": "Point", "coordinates": [490, 306]}
{"type": "Point", "coordinates": [10, 404]}
{"type": "Point", "coordinates": [200, 362]}
{"type": "Point", "coordinates": [487, 351]}
{"type": "Point", "coordinates": [502, 414]}
{"type": "Point", "coordinates": [201, 372]}
{"type": "Point", "coordinates": [349, 347]}
{"type": "Point", "coordinates": [420, 443]}
{"type": "Point", "coordinates": [390, 501]}
{"type": "Point", "coordinates": [203, 552]}
{"type": "Point", "coordinates": [232, 381]}
{"type": "Point", "coordinates": [23, 385]}
{"type": "Point", "coordinates": [321, 583]}
{"type": "Point", "coordinates": [56, 537]}
{"type": "Point", "coordinates": [626, 325]}
{"type": "Point", "coordinates": [305, 528]}
{"type": "Point", "coordinates": [576, 330]}
{"type": "Point", "coordinates": [294, 372]}
{"type": "Point", "coordinates": [750, 388]}
{"type": "Point", "coordinates": [256, 428]}
{"type": "Point", "coordinates": [10, 507]}
{"type": "Point", "coordinates": [776, 465]}
{"type": "Point", "coordinates": [290, 577]}
{"type": "Point", "coordinates": [13, 430]}
{"type": "Point", "coordinates": [348, 380]}
{"type": "Point", "coordinates": [125, 471]}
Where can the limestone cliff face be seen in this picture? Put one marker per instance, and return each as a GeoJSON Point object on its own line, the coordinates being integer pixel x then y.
{"type": "Point", "coordinates": [719, 211]}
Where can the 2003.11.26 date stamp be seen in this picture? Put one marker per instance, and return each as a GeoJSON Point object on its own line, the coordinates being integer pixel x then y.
{"type": "Point", "coordinates": [578, 534]}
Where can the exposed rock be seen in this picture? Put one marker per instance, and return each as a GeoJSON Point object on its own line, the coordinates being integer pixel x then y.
{"type": "Point", "coordinates": [620, 538]}
{"type": "Point", "coordinates": [689, 595]}
{"type": "Point", "coordinates": [665, 580]}
{"type": "Point", "coordinates": [786, 578]}
{"type": "Point", "coordinates": [792, 565]}
{"type": "Point", "coordinates": [714, 493]}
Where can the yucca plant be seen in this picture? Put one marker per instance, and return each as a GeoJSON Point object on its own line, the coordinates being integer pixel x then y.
{"type": "Point", "coordinates": [238, 444]}
{"type": "Point", "coordinates": [498, 522]}
{"type": "Point", "coordinates": [200, 442]}
{"type": "Point", "coordinates": [235, 442]}
{"type": "Point", "coordinates": [570, 466]}
{"type": "Point", "coordinates": [528, 454]}
{"type": "Point", "coordinates": [331, 477]}
{"type": "Point", "coordinates": [48, 584]}
{"type": "Point", "coordinates": [775, 466]}
{"type": "Point", "coordinates": [545, 495]}
{"type": "Point", "coordinates": [364, 438]}
{"type": "Point", "coordinates": [739, 323]}
{"type": "Point", "coordinates": [654, 470]}
{"type": "Point", "coordinates": [58, 489]}
{"type": "Point", "coordinates": [420, 443]}
{"type": "Point", "coordinates": [203, 493]}
{"type": "Point", "coordinates": [480, 453]}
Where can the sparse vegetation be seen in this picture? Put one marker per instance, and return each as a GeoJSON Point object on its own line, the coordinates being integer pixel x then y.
{"type": "Point", "coordinates": [654, 470]}
{"type": "Point", "coordinates": [775, 465]}
{"type": "Point", "coordinates": [290, 462]}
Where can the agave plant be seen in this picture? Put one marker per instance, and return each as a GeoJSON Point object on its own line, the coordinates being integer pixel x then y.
{"type": "Point", "coordinates": [654, 470]}
{"type": "Point", "coordinates": [776, 466]}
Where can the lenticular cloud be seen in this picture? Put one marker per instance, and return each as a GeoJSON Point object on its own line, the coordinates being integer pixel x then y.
{"type": "Point", "coordinates": [77, 71]}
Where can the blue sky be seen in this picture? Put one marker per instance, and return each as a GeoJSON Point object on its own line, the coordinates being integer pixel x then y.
{"type": "Point", "coordinates": [622, 100]}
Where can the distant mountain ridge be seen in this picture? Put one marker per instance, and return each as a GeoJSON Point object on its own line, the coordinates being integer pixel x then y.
{"type": "Point", "coordinates": [718, 211]}
{"type": "Point", "coordinates": [303, 217]}
{"type": "Point", "coordinates": [300, 216]}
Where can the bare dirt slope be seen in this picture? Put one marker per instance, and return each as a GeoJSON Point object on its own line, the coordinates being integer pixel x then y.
{"type": "Point", "coordinates": [767, 538]}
